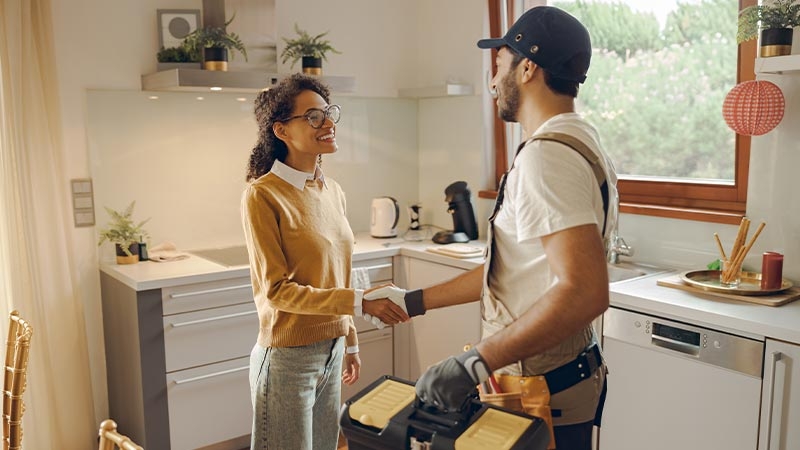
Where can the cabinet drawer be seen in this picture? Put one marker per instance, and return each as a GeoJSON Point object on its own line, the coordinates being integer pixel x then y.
{"type": "Point", "coordinates": [211, 335]}
{"type": "Point", "coordinates": [209, 404]}
{"type": "Point", "coordinates": [376, 352]}
{"type": "Point", "coordinates": [380, 269]}
{"type": "Point", "coordinates": [193, 297]}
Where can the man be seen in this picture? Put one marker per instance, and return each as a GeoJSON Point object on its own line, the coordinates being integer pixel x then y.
{"type": "Point", "coordinates": [545, 276]}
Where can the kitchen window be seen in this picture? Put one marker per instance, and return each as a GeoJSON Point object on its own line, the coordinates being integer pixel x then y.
{"type": "Point", "coordinates": [655, 92]}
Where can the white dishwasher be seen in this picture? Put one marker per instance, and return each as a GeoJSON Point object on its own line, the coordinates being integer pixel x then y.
{"type": "Point", "coordinates": [673, 385]}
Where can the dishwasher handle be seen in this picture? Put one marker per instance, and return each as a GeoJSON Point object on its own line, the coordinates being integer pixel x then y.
{"type": "Point", "coordinates": [674, 345]}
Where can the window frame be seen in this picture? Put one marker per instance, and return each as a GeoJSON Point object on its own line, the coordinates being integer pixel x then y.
{"type": "Point", "coordinates": [670, 198]}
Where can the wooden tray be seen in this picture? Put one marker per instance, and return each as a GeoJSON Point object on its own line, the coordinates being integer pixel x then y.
{"type": "Point", "coordinates": [781, 298]}
{"type": "Point", "coordinates": [750, 284]}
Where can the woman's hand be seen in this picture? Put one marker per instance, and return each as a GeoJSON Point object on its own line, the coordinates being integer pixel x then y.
{"type": "Point", "coordinates": [385, 310]}
{"type": "Point", "coordinates": [351, 368]}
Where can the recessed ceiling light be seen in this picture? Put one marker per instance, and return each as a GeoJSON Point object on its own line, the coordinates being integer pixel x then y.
{"type": "Point", "coordinates": [216, 88]}
{"type": "Point", "coordinates": [201, 98]}
{"type": "Point", "coordinates": [153, 97]}
{"type": "Point", "coordinates": [241, 99]}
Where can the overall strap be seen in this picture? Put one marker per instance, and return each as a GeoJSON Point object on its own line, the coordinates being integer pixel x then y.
{"type": "Point", "coordinates": [577, 145]}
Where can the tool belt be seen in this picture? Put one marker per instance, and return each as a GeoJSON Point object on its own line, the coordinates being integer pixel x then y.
{"type": "Point", "coordinates": [531, 394]}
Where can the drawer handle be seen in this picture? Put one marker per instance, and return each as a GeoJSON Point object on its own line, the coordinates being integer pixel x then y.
{"type": "Point", "coordinates": [210, 375]}
{"type": "Point", "coordinates": [382, 266]}
{"type": "Point", "coordinates": [210, 291]}
{"type": "Point", "coordinates": [210, 319]}
{"type": "Point", "coordinates": [383, 335]}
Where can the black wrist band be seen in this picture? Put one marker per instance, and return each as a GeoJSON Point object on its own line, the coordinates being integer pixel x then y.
{"type": "Point", "coordinates": [414, 304]}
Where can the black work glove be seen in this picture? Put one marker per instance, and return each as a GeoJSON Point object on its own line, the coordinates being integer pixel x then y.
{"type": "Point", "coordinates": [448, 384]}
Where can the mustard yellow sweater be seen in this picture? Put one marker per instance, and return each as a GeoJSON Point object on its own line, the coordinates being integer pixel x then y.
{"type": "Point", "coordinates": [300, 247]}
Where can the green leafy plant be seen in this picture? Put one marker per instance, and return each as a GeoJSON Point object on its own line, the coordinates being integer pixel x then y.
{"type": "Point", "coordinates": [779, 14]}
{"type": "Point", "coordinates": [122, 230]}
{"type": "Point", "coordinates": [209, 37]}
{"type": "Point", "coordinates": [175, 55]}
{"type": "Point", "coordinates": [306, 45]}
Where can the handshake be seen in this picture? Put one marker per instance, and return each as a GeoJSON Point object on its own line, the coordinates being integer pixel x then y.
{"type": "Point", "coordinates": [390, 305]}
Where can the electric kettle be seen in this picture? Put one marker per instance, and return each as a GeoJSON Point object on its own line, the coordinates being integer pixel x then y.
{"type": "Point", "coordinates": [385, 214]}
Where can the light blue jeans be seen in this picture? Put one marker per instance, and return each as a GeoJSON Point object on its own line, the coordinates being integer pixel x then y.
{"type": "Point", "coordinates": [296, 393]}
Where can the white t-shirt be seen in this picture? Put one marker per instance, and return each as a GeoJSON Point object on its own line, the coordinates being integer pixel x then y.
{"type": "Point", "coordinates": [550, 188]}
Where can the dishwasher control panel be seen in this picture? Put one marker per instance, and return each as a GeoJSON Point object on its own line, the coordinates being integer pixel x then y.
{"type": "Point", "coordinates": [685, 340]}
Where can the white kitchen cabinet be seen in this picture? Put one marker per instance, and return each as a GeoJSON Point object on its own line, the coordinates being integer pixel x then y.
{"type": "Point", "coordinates": [780, 397]}
{"type": "Point", "coordinates": [439, 333]}
{"type": "Point", "coordinates": [375, 350]}
{"type": "Point", "coordinates": [177, 361]}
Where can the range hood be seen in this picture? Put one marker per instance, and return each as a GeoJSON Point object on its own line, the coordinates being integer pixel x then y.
{"type": "Point", "coordinates": [198, 80]}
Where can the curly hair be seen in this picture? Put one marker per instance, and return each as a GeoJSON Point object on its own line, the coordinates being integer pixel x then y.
{"type": "Point", "coordinates": [272, 105]}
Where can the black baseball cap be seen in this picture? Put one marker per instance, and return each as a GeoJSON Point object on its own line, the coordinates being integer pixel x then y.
{"type": "Point", "coordinates": [550, 37]}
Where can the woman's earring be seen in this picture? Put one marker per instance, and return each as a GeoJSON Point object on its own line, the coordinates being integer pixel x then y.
{"type": "Point", "coordinates": [319, 160]}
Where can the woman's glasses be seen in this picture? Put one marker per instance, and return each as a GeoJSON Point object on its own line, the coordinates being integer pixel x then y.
{"type": "Point", "coordinates": [316, 117]}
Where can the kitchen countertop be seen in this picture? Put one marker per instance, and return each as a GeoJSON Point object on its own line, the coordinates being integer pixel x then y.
{"type": "Point", "coordinates": [640, 294]}
{"type": "Point", "coordinates": [147, 275]}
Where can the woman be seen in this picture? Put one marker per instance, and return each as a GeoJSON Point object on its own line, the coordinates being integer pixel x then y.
{"type": "Point", "coordinates": [300, 247]}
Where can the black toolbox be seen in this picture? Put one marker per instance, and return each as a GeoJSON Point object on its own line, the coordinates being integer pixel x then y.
{"type": "Point", "coordinates": [388, 415]}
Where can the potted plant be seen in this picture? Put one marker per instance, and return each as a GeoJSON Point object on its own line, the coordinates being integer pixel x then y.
{"type": "Point", "coordinates": [214, 42]}
{"type": "Point", "coordinates": [176, 58]}
{"type": "Point", "coordinates": [775, 20]}
{"type": "Point", "coordinates": [125, 234]}
{"type": "Point", "coordinates": [311, 49]}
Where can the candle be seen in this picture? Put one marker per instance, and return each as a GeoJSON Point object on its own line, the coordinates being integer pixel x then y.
{"type": "Point", "coordinates": [771, 270]}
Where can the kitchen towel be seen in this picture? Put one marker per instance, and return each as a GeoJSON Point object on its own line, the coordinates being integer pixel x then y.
{"type": "Point", "coordinates": [166, 251]}
{"type": "Point", "coordinates": [359, 278]}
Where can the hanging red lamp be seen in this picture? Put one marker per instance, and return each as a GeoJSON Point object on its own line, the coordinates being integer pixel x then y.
{"type": "Point", "coordinates": [754, 107]}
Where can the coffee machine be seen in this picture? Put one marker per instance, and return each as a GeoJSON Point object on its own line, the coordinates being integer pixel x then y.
{"type": "Point", "coordinates": [459, 206]}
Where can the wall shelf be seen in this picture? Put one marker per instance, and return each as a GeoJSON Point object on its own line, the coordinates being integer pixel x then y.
{"type": "Point", "coordinates": [198, 80]}
{"type": "Point", "coordinates": [444, 90]}
{"type": "Point", "coordinates": [778, 64]}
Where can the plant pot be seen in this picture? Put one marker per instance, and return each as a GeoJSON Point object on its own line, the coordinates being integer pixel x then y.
{"type": "Point", "coordinates": [215, 58]}
{"type": "Point", "coordinates": [124, 258]}
{"type": "Point", "coordinates": [776, 42]}
{"type": "Point", "coordinates": [312, 65]}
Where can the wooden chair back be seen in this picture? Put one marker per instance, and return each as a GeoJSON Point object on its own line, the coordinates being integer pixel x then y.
{"type": "Point", "coordinates": [110, 437]}
{"type": "Point", "coordinates": [15, 380]}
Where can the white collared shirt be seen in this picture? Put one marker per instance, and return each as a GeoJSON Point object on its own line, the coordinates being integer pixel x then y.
{"type": "Point", "coordinates": [296, 177]}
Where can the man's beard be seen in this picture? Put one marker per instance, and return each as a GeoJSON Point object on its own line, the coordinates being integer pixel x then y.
{"type": "Point", "coordinates": [509, 104]}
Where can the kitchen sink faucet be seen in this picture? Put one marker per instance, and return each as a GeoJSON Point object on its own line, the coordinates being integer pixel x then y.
{"type": "Point", "coordinates": [618, 247]}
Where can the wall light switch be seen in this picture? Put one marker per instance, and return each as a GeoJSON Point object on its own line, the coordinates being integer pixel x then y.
{"type": "Point", "coordinates": [82, 202]}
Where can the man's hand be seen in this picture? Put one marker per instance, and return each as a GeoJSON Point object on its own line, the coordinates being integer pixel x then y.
{"type": "Point", "coordinates": [448, 384]}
